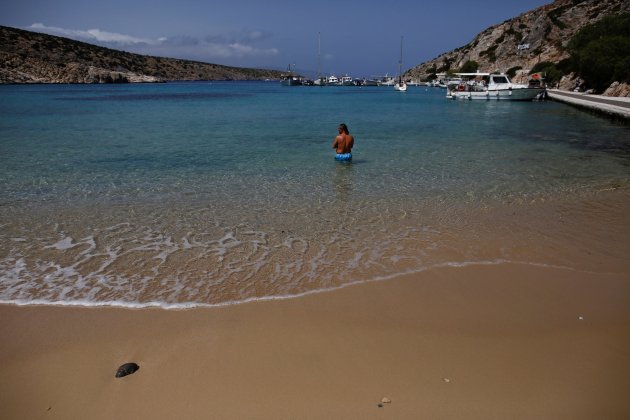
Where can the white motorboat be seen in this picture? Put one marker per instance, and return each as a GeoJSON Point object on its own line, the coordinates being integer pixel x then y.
{"type": "Point", "coordinates": [332, 80]}
{"type": "Point", "coordinates": [387, 81]}
{"type": "Point", "coordinates": [346, 81]}
{"type": "Point", "coordinates": [487, 86]}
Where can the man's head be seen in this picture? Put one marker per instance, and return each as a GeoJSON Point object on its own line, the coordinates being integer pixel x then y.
{"type": "Point", "coordinates": [344, 128]}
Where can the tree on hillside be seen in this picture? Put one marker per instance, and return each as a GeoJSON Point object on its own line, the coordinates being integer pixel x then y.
{"type": "Point", "coordinates": [600, 53]}
{"type": "Point", "coordinates": [551, 71]}
{"type": "Point", "coordinates": [469, 67]}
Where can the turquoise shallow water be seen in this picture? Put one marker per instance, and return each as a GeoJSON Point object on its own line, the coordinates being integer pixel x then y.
{"type": "Point", "coordinates": [189, 194]}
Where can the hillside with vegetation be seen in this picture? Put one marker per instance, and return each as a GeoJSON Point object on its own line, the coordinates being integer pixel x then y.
{"type": "Point", "coordinates": [583, 41]}
{"type": "Point", "coordinates": [31, 57]}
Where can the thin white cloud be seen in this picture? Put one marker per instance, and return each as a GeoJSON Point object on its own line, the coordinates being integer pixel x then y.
{"type": "Point", "coordinates": [208, 48]}
{"type": "Point", "coordinates": [237, 49]}
{"type": "Point", "coordinates": [94, 35]}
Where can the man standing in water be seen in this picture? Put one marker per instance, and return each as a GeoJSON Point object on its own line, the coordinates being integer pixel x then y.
{"type": "Point", "coordinates": [343, 144]}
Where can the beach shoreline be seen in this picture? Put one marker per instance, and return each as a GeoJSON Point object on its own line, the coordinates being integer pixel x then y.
{"type": "Point", "coordinates": [513, 237]}
{"type": "Point", "coordinates": [484, 341]}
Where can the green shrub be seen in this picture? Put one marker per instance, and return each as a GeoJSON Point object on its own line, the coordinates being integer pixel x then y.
{"type": "Point", "coordinates": [490, 52]}
{"type": "Point", "coordinates": [599, 52]}
{"type": "Point", "coordinates": [554, 14]}
{"type": "Point", "coordinates": [512, 71]}
{"type": "Point", "coordinates": [551, 71]}
{"type": "Point", "coordinates": [600, 59]}
{"type": "Point", "coordinates": [469, 67]}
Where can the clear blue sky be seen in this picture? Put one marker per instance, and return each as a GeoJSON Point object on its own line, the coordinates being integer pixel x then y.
{"type": "Point", "coordinates": [360, 38]}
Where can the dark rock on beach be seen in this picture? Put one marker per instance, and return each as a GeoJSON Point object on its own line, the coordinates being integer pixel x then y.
{"type": "Point", "coordinates": [127, 369]}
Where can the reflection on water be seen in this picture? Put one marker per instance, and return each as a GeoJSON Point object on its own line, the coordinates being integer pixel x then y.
{"type": "Point", "coordinates": [343, 179]}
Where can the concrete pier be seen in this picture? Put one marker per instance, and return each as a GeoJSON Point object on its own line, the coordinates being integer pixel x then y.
{"type": "Point", "coordinates": [614, 106]}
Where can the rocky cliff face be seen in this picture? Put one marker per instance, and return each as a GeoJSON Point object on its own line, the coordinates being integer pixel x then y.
{"type": "Point", "coordinates": [30, 57]}
{"type": "Point", "coordinates": [539, 35]}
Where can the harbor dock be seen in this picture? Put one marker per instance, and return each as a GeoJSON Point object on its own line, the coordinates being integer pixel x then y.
{"type": "Point", "coordinates": [613, 106]}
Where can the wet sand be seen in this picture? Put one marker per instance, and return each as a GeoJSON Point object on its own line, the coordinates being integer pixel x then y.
{"type": "Point", "coordinates": [478, 342]}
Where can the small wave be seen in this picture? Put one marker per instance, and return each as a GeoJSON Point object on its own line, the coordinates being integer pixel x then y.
{"type": "Point", "coordinates": [194, 305]}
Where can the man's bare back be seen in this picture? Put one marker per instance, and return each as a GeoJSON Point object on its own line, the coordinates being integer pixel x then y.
{"type": "Point", "coordinates": [344, 141]}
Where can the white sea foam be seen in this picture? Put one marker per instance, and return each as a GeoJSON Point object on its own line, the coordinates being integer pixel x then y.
{"type": "Point", "coordinates": [193, 305]}
{"type": "Point", "coordinates": [65, 243]}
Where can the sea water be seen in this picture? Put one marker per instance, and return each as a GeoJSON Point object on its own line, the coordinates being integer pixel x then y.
{"type": "Point", "coordinates": [194, 194]}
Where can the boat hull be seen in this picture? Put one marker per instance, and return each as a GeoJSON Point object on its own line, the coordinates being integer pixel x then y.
{"type": "Point", "coordinates": [525, 94]}
{"type": "Point", "coordinates": [290, 81]}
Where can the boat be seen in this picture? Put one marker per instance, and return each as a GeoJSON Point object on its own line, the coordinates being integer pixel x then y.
{"type": "Point", "coordinates": [369, 82]}
{"type": "Point", "coordinates": [290, 79]}
{"type": "Point", "coordinates": [491, 86]}
{"type": "Point", "coordinates": [387, 80]}
{"type": "Point", "coordinates": [400, 85]}
{"type": "Point", "coordinates": [332, 80]}
{"type": "Point", "coordinates": [439, 83]}
{"type": "Point", "coordinates": [320, 80]}
{"type": "Point", "coordinates": [346, 81]}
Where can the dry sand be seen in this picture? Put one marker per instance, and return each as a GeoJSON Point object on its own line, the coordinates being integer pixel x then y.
{"type": "Point", "coordinates": [504, 341]}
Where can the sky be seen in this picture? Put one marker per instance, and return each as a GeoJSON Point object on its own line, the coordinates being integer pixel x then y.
{"type": "Point", "coordinates": [358, 38]}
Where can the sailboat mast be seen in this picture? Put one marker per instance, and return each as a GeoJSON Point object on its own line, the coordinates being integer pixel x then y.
{"type": "Point", "coordinates": [400, 62]}
{"type": "Point", "coordinates": [319, 53]}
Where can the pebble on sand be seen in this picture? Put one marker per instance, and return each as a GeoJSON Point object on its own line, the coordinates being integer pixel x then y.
{"type": "Point", "coordinates": [127, 369]}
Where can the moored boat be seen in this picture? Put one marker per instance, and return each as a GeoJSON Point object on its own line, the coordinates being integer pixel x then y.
{"type": "Point", "coordinates": [387, 80]}
{"type": "Point", "coordinates": [346, 81]}
{"type": "Point", "coordinates": [400, 85]}
{"type": "Point", "coordinates": [332, 80]}
{"type": "Point", "coordinates": [487, 86]}
{"type": "Point", "coordinates": [369, 82]}
{"type": "Point", "coordinates": [290, 80]}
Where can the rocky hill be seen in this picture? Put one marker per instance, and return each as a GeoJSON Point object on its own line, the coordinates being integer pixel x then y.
{"type": "Point", "coordinates": [31, 57]}
{"type": "Point", "coordinates": [539, 35]}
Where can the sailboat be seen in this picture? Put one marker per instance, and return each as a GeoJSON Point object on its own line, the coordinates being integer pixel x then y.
{"type": "Point", "coordinates": [400, 85]}
{"type": "Point", "coordinates": [320, 81]}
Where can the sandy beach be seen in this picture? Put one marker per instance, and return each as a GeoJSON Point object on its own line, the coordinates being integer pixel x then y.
{"type": "Point", "coordinates": [478, 342]}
